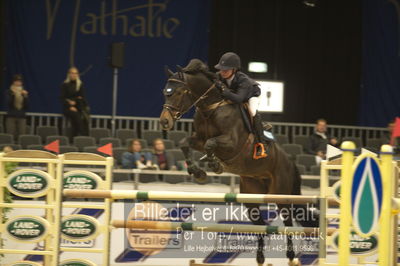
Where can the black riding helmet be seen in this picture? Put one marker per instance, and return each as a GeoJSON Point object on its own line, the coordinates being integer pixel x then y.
{"type": "Point", "coordinates": [228, 60]}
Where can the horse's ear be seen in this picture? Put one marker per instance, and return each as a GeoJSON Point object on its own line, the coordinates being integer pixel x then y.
{"type": "Point", "coordinates": [180, 71]}
{"type": "Point", "coordinates": [168, 72]}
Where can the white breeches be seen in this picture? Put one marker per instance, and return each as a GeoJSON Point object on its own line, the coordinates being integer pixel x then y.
{"type": "Point", "coordinates": [253, 105]}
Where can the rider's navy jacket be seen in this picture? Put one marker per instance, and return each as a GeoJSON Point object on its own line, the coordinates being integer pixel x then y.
{"type": "Point", "coordinates": [242, 88]}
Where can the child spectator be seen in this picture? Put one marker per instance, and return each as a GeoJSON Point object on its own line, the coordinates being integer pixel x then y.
{"type": "Point", "coordinates": [135, 157]}
{"type": "Point", "coordinates": [164, 159]}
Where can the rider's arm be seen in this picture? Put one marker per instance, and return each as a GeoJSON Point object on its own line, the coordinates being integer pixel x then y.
{"type": "Point", "coordinates": [238, 97]}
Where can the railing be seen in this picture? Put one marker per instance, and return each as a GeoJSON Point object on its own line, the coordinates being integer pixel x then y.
{"type": "Point", "coordinates": [150, 123]}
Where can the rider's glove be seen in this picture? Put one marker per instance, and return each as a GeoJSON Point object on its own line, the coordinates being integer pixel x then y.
{"type": "Point", "coordinates": [220, 85]}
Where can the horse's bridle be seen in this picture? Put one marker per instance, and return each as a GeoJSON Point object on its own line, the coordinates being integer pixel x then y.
{"type": "Point", "coordinates": [178, 111]}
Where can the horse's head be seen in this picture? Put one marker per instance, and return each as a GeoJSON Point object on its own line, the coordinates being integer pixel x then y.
{"type": "Point", "coordinates": [178, 98]}
{"type": "Point", "coordinates": [184, 89]}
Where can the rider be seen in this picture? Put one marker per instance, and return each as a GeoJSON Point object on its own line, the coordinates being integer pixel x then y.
{"type": "Point", "coordinates": [239, 88]}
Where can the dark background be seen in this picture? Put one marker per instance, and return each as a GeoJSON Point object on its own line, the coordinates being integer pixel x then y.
{"type": "Point", "coordinates": [315, 51]}
{"type": "Point", "coordinates": [339, 60]}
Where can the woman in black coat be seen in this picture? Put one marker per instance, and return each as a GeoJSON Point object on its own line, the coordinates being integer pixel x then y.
{"type": "Point", "coordinates": [17, 101]}
{"type": "Point", "coordinates": [75, 107]}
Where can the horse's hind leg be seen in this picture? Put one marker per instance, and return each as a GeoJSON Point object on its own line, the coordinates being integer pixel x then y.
{"type": "Point", "coordinates": [288, 222]}
{"type": "Point", "coordinates": [186, 145]}
{"type": "Point", "coordinates": [258, 220]}
{"type": "Point", "coordinates": [258, 186]}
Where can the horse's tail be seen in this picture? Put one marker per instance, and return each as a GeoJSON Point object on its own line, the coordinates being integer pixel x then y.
{"type": "Point", "coordinates": [304, 214]}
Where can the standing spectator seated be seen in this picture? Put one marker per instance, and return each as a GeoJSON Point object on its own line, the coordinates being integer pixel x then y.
{"type": "Point", "coordinates": [164, 159]}
{"type": "Point", "coordinates": [17, 100]}
{"type": "Point", "coordinates": [136, 158]}
{"type": "Point", "coordinates": [319, 139]}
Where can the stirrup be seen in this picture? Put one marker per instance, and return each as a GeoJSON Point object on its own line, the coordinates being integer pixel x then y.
{"type": "Point", "coordinates": [263, 153]}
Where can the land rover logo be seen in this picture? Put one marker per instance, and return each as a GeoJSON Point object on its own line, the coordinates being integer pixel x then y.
{"type": "Point", "coordinates": [29, 183]}
{"type": "Point", "coordinates": [27, 228]}
{"type": "Point", "coordinates": [359, 245]}
{"type": "Point", "coordinates": [81, 180]}
{"type": "Point", "coordinates": [25, 263]}
{"type": "Point", "coordinates": [79, 227]}
{"type": "Point", "coordinates": [77, 262]}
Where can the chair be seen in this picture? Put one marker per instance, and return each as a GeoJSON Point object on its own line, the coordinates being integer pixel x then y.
{"type": "Point", "coordinates": [65, 149]}
{"type": "Point", "coordinates": [13, 146]}
{"type": "Point", "coordinates": [45, 131]}
{"type": "Point", "coordinates": [307, 160]}
{"type": "Point", "coordinates": [117, 154]}
{"type": "Point", "coordinates": [35, 147]}
{"type": "Point", "coordinates": [315, 170]}
{"type": "Point", "coordinates": [302, 140]}
{"type": "Point", "coordinates": [93, 149]}
{"type": "Point", "coordinates": [150, 135]}
{"type": "Point", "coordinates": [98, 133]}
{"type": "Point", "coordinates": [301, 168]}
{"type": "Point", "coordinates": [124, 134]}
{"type": "Point", "coordinates": [84, 141]}
{"type": "Point", "coordinates": [169, 144]}
{"type": "Point", "coordinates": [292, 149]}
{"type": "Point", "coordinates": [115, 142]}
{"type": "Point", "coordinates": [178, 154]}
{"type": "Point", "coordinates": [375, 144]}
{"type": "Point", "coordinates": [63, 140]}
{"type": "Point", "coordinates": [177, 136]}
{"type": "Point", "coordinates": [281, 139]}
{"type": "Point", "coordinates": [25, 140]}
{"type": "Point", "coordinates": [6, 138]}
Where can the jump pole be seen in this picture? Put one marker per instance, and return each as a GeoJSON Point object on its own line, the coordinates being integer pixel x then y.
{"type": "Point", "coordinates": [191, 196]}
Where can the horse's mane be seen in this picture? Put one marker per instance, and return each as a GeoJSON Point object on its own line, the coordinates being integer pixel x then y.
{"type": "Point", "coordinates": [197, 66]}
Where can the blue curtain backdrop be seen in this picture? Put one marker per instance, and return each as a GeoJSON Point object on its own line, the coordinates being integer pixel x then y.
{"type": "Point", "coordinates": [380, 89]}
{"type": "Point", "coordinates": [45, 37]}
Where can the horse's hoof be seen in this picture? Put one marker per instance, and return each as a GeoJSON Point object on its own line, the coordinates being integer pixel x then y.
{"type": "Point", "coordinates": [216, 167]}
{"type": "Point", "coordinates": [200, 176]}
{"type": "Point", "coordinates": [260, 258]}
{"type": "Point", "coordinates": [294, 262]}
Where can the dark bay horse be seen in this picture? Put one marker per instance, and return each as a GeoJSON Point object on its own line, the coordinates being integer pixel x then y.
{"type": "Point", "coordinates": [220, 132]}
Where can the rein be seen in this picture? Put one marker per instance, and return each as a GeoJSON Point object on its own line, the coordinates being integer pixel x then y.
{"type": "Point", "coordinates": [180, 112]}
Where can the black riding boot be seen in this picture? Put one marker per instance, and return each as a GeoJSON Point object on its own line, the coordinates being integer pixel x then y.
{"type": "Point", "coordinates": [260, 150]}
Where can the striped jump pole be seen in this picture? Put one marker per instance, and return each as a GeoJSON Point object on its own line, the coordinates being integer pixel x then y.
{"type": "Point", "coordinates": [191, 196]}
{"type": "Point", "coordinates": [222, 228]}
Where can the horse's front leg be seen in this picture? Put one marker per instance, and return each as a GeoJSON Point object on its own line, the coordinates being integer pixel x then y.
{"type": "Point", "coordinates": [187, 145]}
{"type": "Point", "coordinates": [222, 142]}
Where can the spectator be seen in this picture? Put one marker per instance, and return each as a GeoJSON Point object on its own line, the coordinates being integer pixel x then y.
{"type": "Point", "coordinates": [136, 158]}
{"type": "Point", "coordinates": [17, 99]}
{"type": "Point", "coordinates": [319, 139]}
{"type": "Point", "coordinates": [75, 106]}
{"type": "Point", "coordinates": [164, 159]}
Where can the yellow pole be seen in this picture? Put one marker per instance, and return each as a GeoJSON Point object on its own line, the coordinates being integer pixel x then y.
{"type": "Point", "coordinates": [50, 199]}
{"type": "Point", "coordinates": [385, 222]}
{"type": "Point", "coordinates": [107, 214]}
{"type": "Point", "coordinates": [345, 202]}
